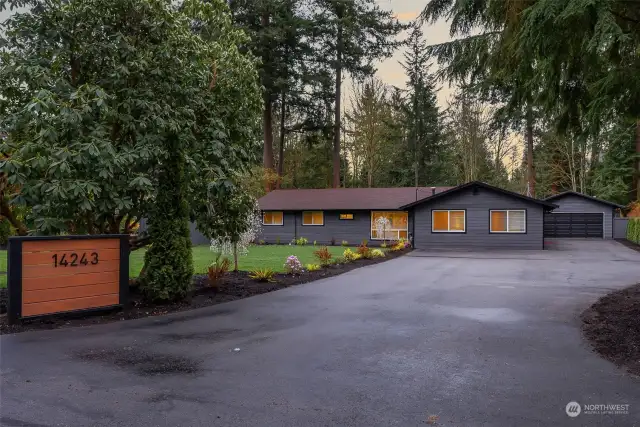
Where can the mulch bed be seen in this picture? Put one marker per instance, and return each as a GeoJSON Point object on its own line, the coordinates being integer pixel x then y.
{"type": "Point", "coordinates": [629, 244]}
{"type": "Point", "coordinates": [233, 286]}
{"type": "Point", "coordinates": [613, 328]}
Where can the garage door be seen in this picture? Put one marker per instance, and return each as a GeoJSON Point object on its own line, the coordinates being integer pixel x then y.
{"type": "Point", "coordinates": [573, 225]}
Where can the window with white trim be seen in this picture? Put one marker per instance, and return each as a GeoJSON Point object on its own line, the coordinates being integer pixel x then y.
{"type": "Point", "coordinates": [398, 225]}
{"type": "Point", "coordinates": [272, 218]}
{"type": "Point", "coordinates": [508, 221]}
{"type": "Point", "coordinates": [313, 218]}
{"type": "Point", "coordinates": [448, 221]}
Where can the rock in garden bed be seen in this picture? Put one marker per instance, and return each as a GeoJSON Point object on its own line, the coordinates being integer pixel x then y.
{"type": "Point", "coordinates": [233, 286]}
{"type": "Point", "coordinates": [612, 326]}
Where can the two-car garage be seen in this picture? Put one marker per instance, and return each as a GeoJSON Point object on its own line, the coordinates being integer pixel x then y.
{"type": "Point", "coordinates": [578, 215]}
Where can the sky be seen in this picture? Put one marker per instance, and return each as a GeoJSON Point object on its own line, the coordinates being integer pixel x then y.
{"type": "Point", "coordinates": [390, 71]}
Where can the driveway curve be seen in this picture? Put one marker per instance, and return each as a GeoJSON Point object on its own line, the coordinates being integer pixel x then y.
{"type": "Point", "coordinates": [488, 339]}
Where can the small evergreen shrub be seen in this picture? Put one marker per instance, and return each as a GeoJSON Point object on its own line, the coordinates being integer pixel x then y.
{"type": "Point", "coordinates": [345, 243]}
{"type": "Point", "coordinates": [377, 253]}
{"type": "Point", "coordinates": [313, 267]}
{"type": "Point", "coordinates": [349, 255]}
{"type": "Point", "coordinates": [301, 241]}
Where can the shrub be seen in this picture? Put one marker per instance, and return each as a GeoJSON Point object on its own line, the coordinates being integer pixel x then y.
{"type": "Point", "coordinates": [397, 247]}
{"type": "Point", "coordinates": [357, 257]}
{"type": "Point", "coordinates": [365, 242]}
{"type": "Point", "coordinates": [383, 245]}
{"type": "Point", "coordinates": [261, 242]}
{"type": "Point", "coordinates": [349, 255]}
{"type": "Point", "coordinates": [340, 260]}
{"type": "Point", "coordinates": [345, 243]}
{"type": "Point", "coordinates": [313, 267]}
{"type": "Point", "coordinates": [293, 265]}
{"type": "Point", "coordinates": [364, 250]}
{"type": "Point", "coordinates": [301, 241]}
{"type": "Point", "coordinates": [278, 240]}
{"type": "Point", "coordinates": [633, 230]}
{"type": "Point", "coordinates": [169, 261]}
{"type": "Point", "coordinates": [5, 231]}
{"type": "Point", "coordinates": [263, 275]}
{"type": "Point", "coordinates": [315, 242]}
{"type": "Point", "coordinates": [377, 253]}
{"type": "Point", "coordinates": [217, 269]}
{"type": "Point", "coordinates": [323, 255]}
{"type": "Point", "coordinates": [333, 241]}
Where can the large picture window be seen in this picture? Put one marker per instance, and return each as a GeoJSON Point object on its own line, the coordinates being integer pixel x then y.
{"type": "Point", "coordinates": [397, 229]}
{"type": "Point", "coordinates": [312, 218]}
{"type": "Point", "coordinates": [272, 218]}
{"type": "Point", "coordinates": [508, 221]}
{"type": "Point", "coordinates": [449, 221]}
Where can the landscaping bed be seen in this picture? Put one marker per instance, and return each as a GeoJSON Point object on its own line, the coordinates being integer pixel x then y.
{"type": "Point", "coordinates": [232, 286]}
{"type": "Point", "coordinates": [629, 244]}
{"type": "Point", "coordinates": [611, 325]}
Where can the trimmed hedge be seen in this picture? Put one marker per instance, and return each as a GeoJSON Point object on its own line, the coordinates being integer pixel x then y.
{"type": "Point", "coordinates": [633, 230]}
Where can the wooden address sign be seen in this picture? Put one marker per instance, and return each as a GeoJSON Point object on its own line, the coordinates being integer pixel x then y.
{"type": "Point", "coordinates": [50, 275]}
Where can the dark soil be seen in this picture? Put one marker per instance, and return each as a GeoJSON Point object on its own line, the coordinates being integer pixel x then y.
{"type": "Point", "coordinates": [629, 244]}
{"type": "Point", "coordinates": [233, 286]}
{"type": "Point", "coordinates": [612, 327]}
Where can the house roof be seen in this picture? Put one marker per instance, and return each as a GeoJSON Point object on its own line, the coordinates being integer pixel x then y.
{"type": "Point", "coordinates": [575, 193]}
{"type": "Point", "coordinates": [344, 198]}
{"type": "Point", "coordinates": [476, 184]}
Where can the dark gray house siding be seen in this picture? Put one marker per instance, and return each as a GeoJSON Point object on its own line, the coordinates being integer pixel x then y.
{"type": "Point", "coordinates": [283, 233]}
{"type": "Point", "coordinates": [572, 203]}
{"type": "Point", "coordinates": [353, 231]}
{"type": "Point", "coordinates": [477, 202]}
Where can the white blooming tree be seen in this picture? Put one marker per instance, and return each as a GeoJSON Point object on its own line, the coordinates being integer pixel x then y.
{"type": "Point", "coordinates": [382, 224]}
{"type": "Point", "coordinates": [232, 220]}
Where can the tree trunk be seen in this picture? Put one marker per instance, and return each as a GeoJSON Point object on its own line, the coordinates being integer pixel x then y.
{"type": "Point", "coordinates": [235, 257]}
{"type": "Point", "coordinates": [336, 125]}
{"type": "Point", "coordinates": [637, 174]}
{"type": "Point", "coordinates": [267, 118]}
{"type": "Point", "coordinates": [282, 138]}
{"type": "Point", "coordinates": [7, 212]}
{"type": "Point", "coordinates": [531, 177]}
{"type": "Point", "coordinates": [267, 155]}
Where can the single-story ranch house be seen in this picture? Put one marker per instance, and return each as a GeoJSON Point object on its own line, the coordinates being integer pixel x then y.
{"type": "Point", "coordinates": [474, 215]}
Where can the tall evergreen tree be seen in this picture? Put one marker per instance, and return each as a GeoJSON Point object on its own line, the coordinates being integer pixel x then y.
{"type": "Point", "coordinates": [355, 33]}
{"type": "Point", "coordinates": [422, 109]}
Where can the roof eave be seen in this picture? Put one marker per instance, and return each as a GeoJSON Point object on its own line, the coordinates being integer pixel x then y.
{"type": "Point", "coordinates": [575, 193]}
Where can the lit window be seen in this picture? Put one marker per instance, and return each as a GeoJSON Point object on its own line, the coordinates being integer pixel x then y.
{"type": "Point", "coordinates": [272, 218]}
{"type": "Point", "coordinates": [346, 216]}
{"type": "Point", "coordinates": [397, 228]}
{"type": "Point", "coordinates": [312, 218]}
{"type": "Point", "coordinates": [448, 221]}
{"type": "Point", "coordinates": [508, 221]}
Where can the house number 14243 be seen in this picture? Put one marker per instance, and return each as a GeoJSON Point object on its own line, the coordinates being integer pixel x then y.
{"type": "Point", "coordinates": [75, 260]}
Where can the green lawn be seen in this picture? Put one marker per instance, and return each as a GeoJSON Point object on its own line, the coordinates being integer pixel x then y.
{"type": "Point", "coordinates": [268, 256]}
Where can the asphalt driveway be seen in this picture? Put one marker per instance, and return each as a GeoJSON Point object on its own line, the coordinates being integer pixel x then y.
{"type": "Point", "coordinates": [488, 339]}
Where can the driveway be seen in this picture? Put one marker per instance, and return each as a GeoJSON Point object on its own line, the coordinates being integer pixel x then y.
{"type": "Point", "coordinates": [475, 339]}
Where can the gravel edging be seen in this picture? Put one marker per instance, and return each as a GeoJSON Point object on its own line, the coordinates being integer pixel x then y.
{"type": "Point", "coordinates": [233, 286]}
{"type": "Point", "coordinates": [612, 327]}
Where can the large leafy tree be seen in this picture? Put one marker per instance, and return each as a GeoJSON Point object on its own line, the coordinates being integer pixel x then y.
{"type": "Point", "coordinates": [116, 109]}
